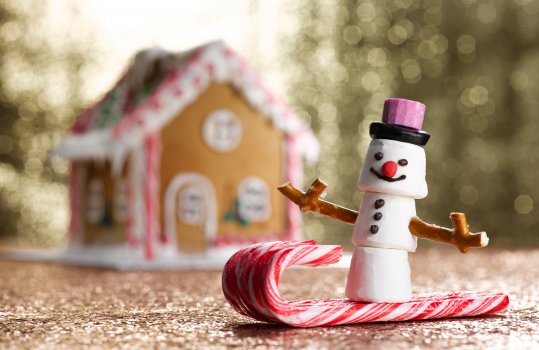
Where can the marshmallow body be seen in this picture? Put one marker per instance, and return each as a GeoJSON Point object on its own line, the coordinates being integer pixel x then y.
{"type": "Point", "coordinates": [379, 275]}
{"type": "Point", "coordinates": [383, 222]}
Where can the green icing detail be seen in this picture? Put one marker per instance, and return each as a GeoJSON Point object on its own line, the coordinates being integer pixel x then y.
{"type": "Point", "coordinates": [108, 114]}
{"type": "Point", "coordinates": [142, 94]}
{"type": "Point", "coordinates": [113, 107]}
{"type": "Point", "coordinates": [233, 214]}
{"type": "Point", "coordinates": [243, 222]}
{"type": "Point", "coordinates": [229, 216]}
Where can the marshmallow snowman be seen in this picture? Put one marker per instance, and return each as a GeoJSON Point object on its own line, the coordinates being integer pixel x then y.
{"type": "Point", "coordinates": [392, 177]}
{"type": "Point", "coordinates": [386, 225]}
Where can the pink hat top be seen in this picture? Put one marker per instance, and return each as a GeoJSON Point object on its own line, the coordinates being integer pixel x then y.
{"type": "Point", "coordinates": [401, 112]}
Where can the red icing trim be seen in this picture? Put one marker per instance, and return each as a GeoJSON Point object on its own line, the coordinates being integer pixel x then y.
{"type": "Point", "coordinates": [130, 223]}
{"type": "Point", "coordinates": [150, 194]}
{"type": "Point", "coordinates": [153, 102]}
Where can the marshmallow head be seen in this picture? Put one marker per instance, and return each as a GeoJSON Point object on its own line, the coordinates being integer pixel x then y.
{"type": "Point", "coordinates": [394, 167]}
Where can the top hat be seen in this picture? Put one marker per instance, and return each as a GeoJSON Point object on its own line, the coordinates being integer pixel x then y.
{"type": "Point", "coordinates": [401, 121]}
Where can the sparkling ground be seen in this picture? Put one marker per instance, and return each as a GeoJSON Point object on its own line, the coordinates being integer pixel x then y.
{"type": "Point", "coordinates": [48, 306]}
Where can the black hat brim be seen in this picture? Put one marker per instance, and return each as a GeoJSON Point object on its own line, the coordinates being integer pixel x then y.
{"type": "Point", "coordinates": [380, 130]}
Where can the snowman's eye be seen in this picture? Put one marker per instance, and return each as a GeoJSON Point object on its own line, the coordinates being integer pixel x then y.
{"type": "Point", "coordinates": [403, 162]}
{"type": "Point", "coordinates": [378, 155]}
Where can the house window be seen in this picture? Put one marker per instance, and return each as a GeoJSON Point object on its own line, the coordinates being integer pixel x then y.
{"type": "Point", "coordinates": [95, 202]}
{"type": "Point", "coordinates": [191, 205]}
{"type": "Point", "coordinates": [254, 203]}
{"type": "Point", "coordinates": [120, 201]}
{"type": "Point", "coordinates": [222, 130]}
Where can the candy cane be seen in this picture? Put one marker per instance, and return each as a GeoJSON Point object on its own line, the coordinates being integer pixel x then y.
{"type": "Point", "coordinates": [251, 277]}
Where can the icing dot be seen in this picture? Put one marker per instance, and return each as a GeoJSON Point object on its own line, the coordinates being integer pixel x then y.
{"type": "Point", "coordinates": [374, 229]}
{"type": "Point", "coordinates": [377, 216]}
{"type": "Point", "coordinates": [379, 203]}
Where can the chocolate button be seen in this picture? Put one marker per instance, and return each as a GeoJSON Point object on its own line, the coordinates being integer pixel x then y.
{"type": "Point", "coordinates": [374, 229]}
{"type": "Point", "coordinates": [377, 216]}
{"type": "Point", "coordinates": [379, 203]}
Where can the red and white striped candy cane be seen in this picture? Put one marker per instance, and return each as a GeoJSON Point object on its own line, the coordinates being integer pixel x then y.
{"type": "Point", "coordinates": [251, 276]}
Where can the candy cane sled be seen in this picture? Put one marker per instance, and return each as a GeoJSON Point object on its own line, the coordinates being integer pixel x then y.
{"type": "Point", "coordinates": [251, 277]}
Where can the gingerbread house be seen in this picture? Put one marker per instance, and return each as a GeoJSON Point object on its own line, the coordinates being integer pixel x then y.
{"type": "Point", "coordinates": [182, 157]}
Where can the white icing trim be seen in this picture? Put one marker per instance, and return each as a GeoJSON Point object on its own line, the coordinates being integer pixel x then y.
{"type": "Point", "coordinates": [181, 87]}
{"type": "Point", "coordinates": [96, 144]}
{"type": "Point", "coordinates": [210, 226]}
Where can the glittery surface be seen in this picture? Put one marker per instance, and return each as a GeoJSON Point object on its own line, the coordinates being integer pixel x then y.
{"type": "Point", "coordinates": [47, 306]}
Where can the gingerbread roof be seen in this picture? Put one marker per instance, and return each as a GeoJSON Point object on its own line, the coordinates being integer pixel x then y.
{"type": "Point", "coordinates": [157, 87]}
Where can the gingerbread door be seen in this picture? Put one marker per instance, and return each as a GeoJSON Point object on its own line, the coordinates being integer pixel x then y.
{"type": "Point", "coordinates": [190, 212]}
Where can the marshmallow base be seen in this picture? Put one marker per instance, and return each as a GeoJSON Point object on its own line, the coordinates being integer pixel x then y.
{"type": "Point", "coordinates": [251, 277]}
{"type": "Point", "coordinates": [379, 275]}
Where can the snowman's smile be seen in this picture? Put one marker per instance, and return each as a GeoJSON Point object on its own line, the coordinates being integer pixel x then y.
{"type": "Point", "coordinates": [387, 178]}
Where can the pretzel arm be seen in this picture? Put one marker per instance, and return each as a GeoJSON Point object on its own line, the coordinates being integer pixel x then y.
{"type": "Point", "coordinates": [459, 236]}
{"type": "Point", "coordinates": [310, 202]}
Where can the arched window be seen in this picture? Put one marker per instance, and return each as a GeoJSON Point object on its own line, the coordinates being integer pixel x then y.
{"type": "Point", "coordinates": [95, 201]}
{"type": "Point", "coordinates": [254, 202]}
{"type": "Point", "coordinates": [191, 205]}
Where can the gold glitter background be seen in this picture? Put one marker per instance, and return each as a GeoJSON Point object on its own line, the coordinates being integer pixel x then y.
{"type": "Point", "coordinates": [474, 63]}
{"type": "Point", "coordinates": [58, 307]}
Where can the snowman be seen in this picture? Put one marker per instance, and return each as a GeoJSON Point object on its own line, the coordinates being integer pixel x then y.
{"type": "Point", "coordinates": [392, 178]}
{"type": "Point", "coordinates": [386, 226]}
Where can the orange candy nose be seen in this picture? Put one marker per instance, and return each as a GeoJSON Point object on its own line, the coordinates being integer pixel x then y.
{"type": "Point", "coordinates": [389, 168]}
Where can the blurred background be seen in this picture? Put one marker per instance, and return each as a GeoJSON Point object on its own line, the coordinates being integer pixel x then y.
{"type": "Point", "coordinates": [475, 64]}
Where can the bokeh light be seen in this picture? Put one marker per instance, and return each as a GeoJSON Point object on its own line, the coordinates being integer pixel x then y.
{"type": "Point", "coordinates": [479, 80]}
{"type": "Point", "coordinates": [473, 63]}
